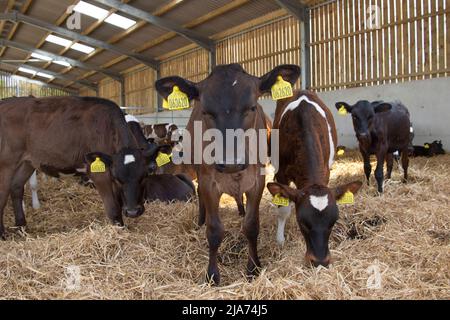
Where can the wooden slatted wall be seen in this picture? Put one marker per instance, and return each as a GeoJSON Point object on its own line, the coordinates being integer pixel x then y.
{"type": "Point", "coordinates": [139, 91]}
{"type": "Point", "coordinates": [409, 42]}
{"type": "Point", "coordinates": [262, 48]}
{"type": "Point", "coordinates": [193, 65]}
{"type": "Point", "coordinates": [109, 89]}
{"type": "Point", "coordinates": [15, 86]}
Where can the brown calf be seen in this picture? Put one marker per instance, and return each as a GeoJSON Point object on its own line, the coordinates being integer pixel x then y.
{"type": "Point", "coordinates": [65, 135]}
{"type": "Point", "coordinates": [227, 99]}
{"type": "Point", "coordinates": [307, 148]}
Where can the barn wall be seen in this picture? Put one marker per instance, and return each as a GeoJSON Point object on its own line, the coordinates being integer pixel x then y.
{"type": "Point", "coordinates": [261, 48]}
{"type": "Point", "coordinates": [404, 40]}
{"type": "Point", "coordinates": [16, 86]}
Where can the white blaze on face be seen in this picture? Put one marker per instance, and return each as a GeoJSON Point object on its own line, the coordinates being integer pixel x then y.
{"type": "Point", "coordinates": [130, 118]}
{"type": "Point", "coordinates": [411, 129]}
{"type": "Point", "coordinates": [129, 158]}
{"type": "Point", "coordinates": [234, 83]}
{"type": "Point", "coordinates": [319, 202]}
{"type": "Point", "coordinates": [294, 104]}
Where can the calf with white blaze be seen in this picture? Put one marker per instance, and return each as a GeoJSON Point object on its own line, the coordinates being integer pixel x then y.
{"type": "Point", "coordinates": [67, 135]}
{"type": "Point", "coordinates": [382, 129]}
{"type": "Point", "coordinates": [307, 147]}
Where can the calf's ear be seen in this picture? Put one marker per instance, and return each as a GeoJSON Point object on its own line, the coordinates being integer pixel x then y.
{"type": "Point", "coordinates": [283, 190]}
{"type": "Point", "coordinates": [382, 107]}
{"type": "Point", "coordinates": [289, 72]}
{"type": "Point", "coordinates": [347, 107]}
{"type": "Point", "coordinates": [165, 86]}
{"type": "Point", "coordinates": [353, 187]}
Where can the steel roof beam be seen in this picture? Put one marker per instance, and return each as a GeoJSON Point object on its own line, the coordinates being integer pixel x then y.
{"type": "Point", "coordinates": [84, 83]}
{"type": "Point", "coordinates": [193, 36]}
{"type": "Point", "coordinates": [53, 56]}
{"type": "Point", "coordinates": [19, 17]}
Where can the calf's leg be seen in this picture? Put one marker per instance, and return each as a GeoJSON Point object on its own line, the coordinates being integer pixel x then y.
{"type": "Point", "coordinates": [283, 215]}
{"type": "Point", "coordinates": [214, 229]}
{"type": "Point", "coordinates": [6, 175]}
{"type": "Point", "coordinates": [34, 187]}
{"type": "Point", "coordinates": [389, 164]}
{"type": "Point", "coordinates": [251, 226]}
{"type": "Point", "coordinates": [379, 175]}
{"type": "Point", "coordinates": [201, 210]}
{"type": "Point", "coordinates": [405, 164]}
{"type": "Point", "coordinates": [367, 166]}
{"type": "Point", "coordinates": [20, 177]}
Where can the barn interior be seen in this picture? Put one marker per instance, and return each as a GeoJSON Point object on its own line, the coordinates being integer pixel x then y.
{"type": "Point", "coordinates": [348, 50]}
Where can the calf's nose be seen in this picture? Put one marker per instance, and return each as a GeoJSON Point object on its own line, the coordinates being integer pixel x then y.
{"type": "Point", "coordinates": [230, 168]}
{"type": "Point", "coordinates": [311, 258]}
{"type": "Point", "coordinates": [134, 212]}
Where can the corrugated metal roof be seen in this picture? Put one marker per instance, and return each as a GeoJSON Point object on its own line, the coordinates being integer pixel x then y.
{"type": "Point", "coordinates": [181, 13]}
{"type": "Point", "coordinates": [247, 12]}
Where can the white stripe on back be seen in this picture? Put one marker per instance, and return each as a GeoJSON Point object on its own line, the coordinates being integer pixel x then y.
{"type": "Point", "coordinates": [130, 118]}
{"type": "Point", "coordinates": [294, 104]}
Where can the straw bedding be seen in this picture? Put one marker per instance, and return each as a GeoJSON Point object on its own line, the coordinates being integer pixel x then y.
{"type": "Point", "coordinates": [403, 235]}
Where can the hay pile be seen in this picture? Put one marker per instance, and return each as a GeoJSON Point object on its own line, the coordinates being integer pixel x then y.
{"type": "Point", "coordinates": [404, 234]}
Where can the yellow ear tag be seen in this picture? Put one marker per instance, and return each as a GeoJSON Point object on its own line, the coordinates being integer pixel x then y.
{"type": "Point", "coordinates": [163, 159]}
{"type": "Point", "coordinates": [281, 89]}
{"type": "Point", "coordinates": [280, 201]}
{"type": "Point", "coordinates": [340, 152]}
{"type": "Point", "coordinates": [347, 198]}
{"type": "Point", "coordinates": [342, 111]}
{"type": "Point", "coordinates": [165, 104]}
{"type": "Point", "coordinates": [177, 100]}
{"type": "Point", "coordinates": [427, 146]}
{"type": "Point", "coordinates": [98, 166]}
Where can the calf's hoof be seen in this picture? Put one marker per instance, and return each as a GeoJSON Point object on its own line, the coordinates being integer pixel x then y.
{"type": "Point", "coordinates": [200, 222]}
{"type": "Point", "coordinates": [213, 276]}
{"type": "Point", "coordinates": [21, 223]}
{"type": "Point", "coordinates": [118, 222]}
{"type": "Point", "coordinates": [253, 270]}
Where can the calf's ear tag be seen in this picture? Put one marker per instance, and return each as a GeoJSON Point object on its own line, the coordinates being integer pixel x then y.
{"type": "Point", "coordinates": [281, 89]}
{"type": "Point", "coordinates": [340, 152]}
{"type": "Point", "coordinates": [177, 100]}
{"type": "Point", "coordinates": [426, 146]}
{"type": "Point", "coordinates": [163, 159]}
{"type": "Point", "coordinates": [347, 198]}
{"type": "Point", "coordinates": [98, 166]}
{"type": "Point", "coordinates": [165, 104]}
{"type": "Point", "coordinates": [280, 201]}
{"type": "Point", "coordinates": [342, 111]}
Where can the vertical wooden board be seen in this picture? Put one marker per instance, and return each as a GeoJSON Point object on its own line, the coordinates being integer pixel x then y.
{"type": "Point", "coordinates": [441, 37]}
{"type": "Point", "coordinates": [399, 41]}
{"type": "Point", "coordinates": [380, 51]}
{"type": "Point", "coordinates": [326, 49]}
{"type": "Point", "coordinates": [341, 45]}
{"type": "Point", "coordinates": [350, 44]}
{"type": "Point", "coordinates": [332, 45]}
{"type": "Point", "coordinates": [413, 39]}
{"type": "Point", "coordinates": [426, 37]}
{"type": "Point", "coordinates": [435, 36]}
{"type": "Point", "coordinates": [344, 18]}
{"type": "Point", "coordinates": [447, 37]}
{"type": "Point", "coordinates": [420, 34]}
{"type": "Point", "coordinates": [321, 49]}
{"type": "Point", "coordinates": [317, 30]}
{"type": "Point", "coordinates": [393, 47]}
